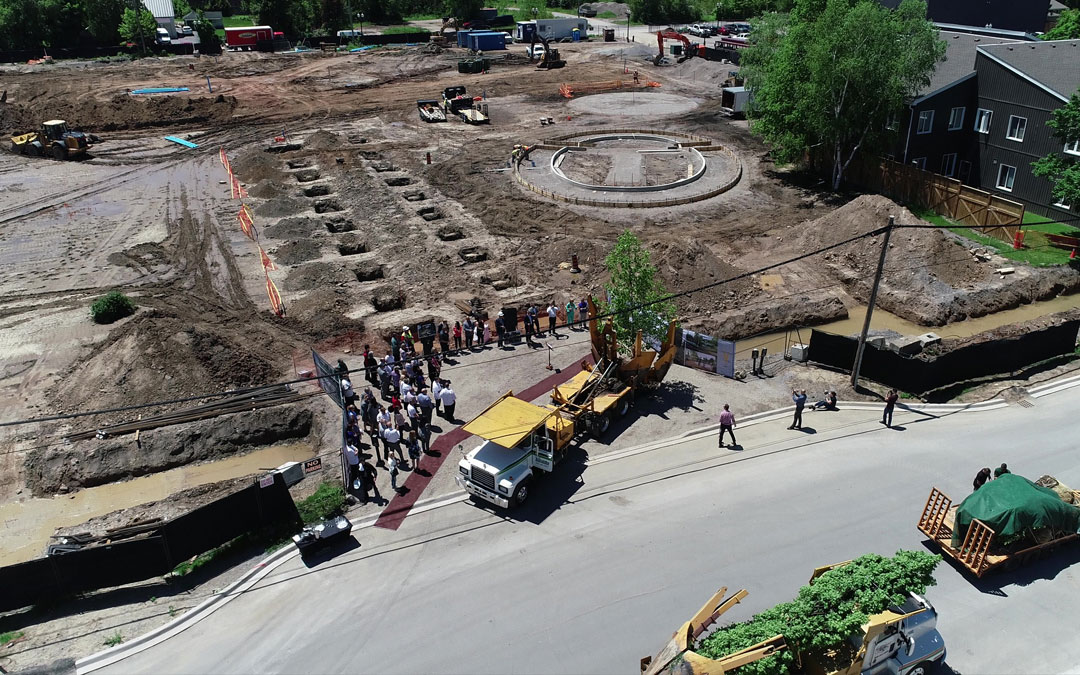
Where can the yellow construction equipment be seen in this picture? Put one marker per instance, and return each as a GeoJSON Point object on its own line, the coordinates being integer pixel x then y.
{"type": "Point", "coordinates": [54, 140]}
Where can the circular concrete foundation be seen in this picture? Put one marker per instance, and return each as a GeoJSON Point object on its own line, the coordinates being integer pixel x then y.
{"type": "Point", "coordinates": [634, 103]}
{"type": "Point", "coordinates": [629, 168]}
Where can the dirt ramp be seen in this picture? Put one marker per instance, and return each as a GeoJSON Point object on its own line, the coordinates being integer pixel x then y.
{"type": "Point", "coordinates": [122, 111]}
{"type": "Point", "coordinates": [94, 462]}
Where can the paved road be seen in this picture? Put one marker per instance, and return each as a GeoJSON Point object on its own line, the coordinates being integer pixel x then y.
{"type": "Point", "coordinates": [618, 555]}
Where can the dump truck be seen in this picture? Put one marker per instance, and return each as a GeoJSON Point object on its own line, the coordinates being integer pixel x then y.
{"type": "Point", "coordinates": [521, 441]}
{"type": "Point", "coordinates": [1006, 523]}
{"type": "Point", "coordinates": [54, 140]}
{"type": "Point", "coordinates": [902, 640]}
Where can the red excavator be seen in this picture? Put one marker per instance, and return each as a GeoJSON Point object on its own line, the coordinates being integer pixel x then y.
{"type": "Point", "coordinates": [689, 49]}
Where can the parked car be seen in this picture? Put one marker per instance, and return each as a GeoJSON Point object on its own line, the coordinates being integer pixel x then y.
{"type": "Point", "coordinates": [509, 37]}
{"type": "Point", "coordinates": [186, 30]}
{"type": "Point", "coordinates": [587, 11]}
{"type": "Point", "coordinates": [162, 37]}
{"type": "Point", "coordinates": [535, 51]}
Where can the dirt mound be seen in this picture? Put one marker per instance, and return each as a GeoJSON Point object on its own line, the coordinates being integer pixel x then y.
{"type": "Point", "coordinates": [298, 251]}
{"type": "Point", "coordinates": [282, 205]}
{"type": "Point", "coordinates": [316, 275]}
{"type": "Point", "coordinates": [94, 462]}
{"type": "Point", "coordinates": [154, 357]}
{"type": "Point", "coordinates": [700, 70]}
{"type": "Point", "coordinates": [322, 312]}
{"type": "Point", "coordinates": [122, 111]}
{"type": "Point", "coordinates": [689, 264]}
{"type": "Point", "coordinates": [323, 140]}
{"type": "Point", "coordinates": [295, 227]}
{"type": "Point", "coordinates": [267, 189]}
{"type": "Point", "coordinates": [254, 166]}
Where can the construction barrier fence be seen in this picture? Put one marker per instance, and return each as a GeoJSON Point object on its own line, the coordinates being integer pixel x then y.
{"type": "Point", "coordinates": [105, 566]}
{"type": "Point", "coordinates": [921, 374]}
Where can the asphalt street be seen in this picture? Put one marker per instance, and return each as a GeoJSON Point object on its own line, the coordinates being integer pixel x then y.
{"type": "Point", "coordinates": [608, 559]}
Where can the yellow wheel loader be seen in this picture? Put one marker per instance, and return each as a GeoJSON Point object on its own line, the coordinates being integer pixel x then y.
{"type": "Point", "coordinates": [53, 140]}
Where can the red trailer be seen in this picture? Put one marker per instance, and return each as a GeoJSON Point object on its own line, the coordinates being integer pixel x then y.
{"type": "Point", "coordinates": [246, 37]}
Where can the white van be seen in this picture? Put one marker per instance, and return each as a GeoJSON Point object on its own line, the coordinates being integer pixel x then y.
{"type": "Point", "coordinates": [348, 34]}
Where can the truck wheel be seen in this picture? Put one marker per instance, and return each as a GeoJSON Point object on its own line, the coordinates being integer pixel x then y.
{"type": "Point", "coordinates": [16, 148]}
{"type": "Point", "coordinates": [521, 494]}
{"type": "Point", "coordinates": [600, 425]}
{"type": "Point", "coordinates": [925, 668]}
{"type": "Point", "coordinates": [59, 152]}
{"type": "Point", "coordinates": [624, 406]}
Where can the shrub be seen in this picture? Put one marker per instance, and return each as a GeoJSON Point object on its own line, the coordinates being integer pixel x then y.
{"type": "Point", "coordinates": [327, 501]}
{"type": "Point", "coordinates": [111, 307]}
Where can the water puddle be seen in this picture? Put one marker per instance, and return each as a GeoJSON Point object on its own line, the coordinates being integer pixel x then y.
{"type": "Point", "coordinates": [28, 524]}
{"type": "Point", "coordinates": [883, 320]}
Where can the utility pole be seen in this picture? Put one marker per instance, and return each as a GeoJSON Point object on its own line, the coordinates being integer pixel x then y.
{"type": "Point", "coordinates": [870, 305]}
{"type": "Point", "coordinates": [138, 24]}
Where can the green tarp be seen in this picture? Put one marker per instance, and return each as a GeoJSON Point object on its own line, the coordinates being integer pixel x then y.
{"type": "Point", "coordinates": [1011, 505]}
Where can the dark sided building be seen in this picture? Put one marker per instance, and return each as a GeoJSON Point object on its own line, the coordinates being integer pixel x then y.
{"type": "Point", "coordinates": [1028, 16]}
{"type": "Point", "coordinates": [1018, 86]}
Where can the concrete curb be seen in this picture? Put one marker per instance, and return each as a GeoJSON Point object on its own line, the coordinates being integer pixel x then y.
{"type": "Point", "coordinates": [114, 654]}
{"type": "Point", "coordinates": [207, 607]}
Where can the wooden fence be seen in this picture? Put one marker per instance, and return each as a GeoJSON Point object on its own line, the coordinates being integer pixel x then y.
{"type": "Point", "coordinates": [996, 216]}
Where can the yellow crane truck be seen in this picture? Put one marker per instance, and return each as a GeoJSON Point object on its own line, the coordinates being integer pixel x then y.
{"type": "Point", "coordinates": [902, 640]}
{"type": "Point", "coordinates": [521, 441]}
{"type": "Point", "coordinates": [54, 140]}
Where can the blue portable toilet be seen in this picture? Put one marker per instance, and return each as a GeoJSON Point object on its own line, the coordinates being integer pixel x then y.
{"type": "Point", "coordinates": [486, 40]}
{"type": "Point", "coordinates": [577, 35]}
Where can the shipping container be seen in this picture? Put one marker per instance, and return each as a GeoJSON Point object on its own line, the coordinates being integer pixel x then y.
{"type": "Point", "coordinates": [247, 37]}
{"type": "Point", "coordinates": [486, 41]}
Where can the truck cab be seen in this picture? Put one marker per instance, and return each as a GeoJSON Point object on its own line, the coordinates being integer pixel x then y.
{"type": "Point", "coordinates": [520, 441]}
{"type": "Point", "coordinates": [901, 641]}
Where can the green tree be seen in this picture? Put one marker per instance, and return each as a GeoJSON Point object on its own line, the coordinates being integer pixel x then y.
{"type": "Point", "coordinates": [334, 16]}
{"type": "Point", "coordinates": [831, 74]}
{"type": "Point", "coordinates": [102, 19]}
{"type": "Point", "coordinates": [136, 26]}
{"type": "Point", "coordinates": [1062, 170]}
{"type": "Point", "coordinates": [826, 612]}
{"type": "Point", "coordinates": [292, 17]}
{"type": "Point", "coordinates": [633, 284]}
{"type": "Point", "coordinates": [209, 40]}
{"type": "Point", "coordinates": [20, 24]}
{"type": "Point", "coordinates": [1067, 27]}
{"type": "Point", "coordinates": [463, 9]}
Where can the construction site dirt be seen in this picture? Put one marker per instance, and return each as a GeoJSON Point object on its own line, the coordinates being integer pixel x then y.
{"type": "Point", "coordinates": [372, 219]}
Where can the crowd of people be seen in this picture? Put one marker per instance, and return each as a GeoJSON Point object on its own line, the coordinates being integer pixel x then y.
{"type": "Point", "coordinates": [406, 390]}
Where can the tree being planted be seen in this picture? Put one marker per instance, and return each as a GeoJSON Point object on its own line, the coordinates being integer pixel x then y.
{"type": "Point", "coordinates": [635, 296]}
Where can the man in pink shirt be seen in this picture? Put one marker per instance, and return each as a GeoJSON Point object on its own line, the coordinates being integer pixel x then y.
{"type": "Point", "coordinates": [727, 423]}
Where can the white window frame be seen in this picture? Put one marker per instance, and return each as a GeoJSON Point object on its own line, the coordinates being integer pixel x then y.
{"type": "Point", "coordinates": [919, 162]}
{"type": "Point", "coordinates": [952, 164]}
{"type": "Point", "coordinates": [1062, 205]}
{"type": "Point", "coordinates": [929, 125]}
{"type": "Point", "coordinates": [960, 122]}
{"type": "Point", "coordinates": [1021, 128]}
{"type": "Point", "coordinates": [980, 114]}
{"type": "Point", "coordinates": [892, 122]}
{"type": "Point", "coordinates": [998, 184]}
{"type": "Point", "coordinates": [1072, 148]}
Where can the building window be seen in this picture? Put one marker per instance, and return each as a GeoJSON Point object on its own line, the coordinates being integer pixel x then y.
{"type": "Point", "coordinates": [1017, 127]}
{"type": "Point", "coordinates": [1073, 148]}
{"type": "Point", "coordinates": [982, 120]}
{"type": "Point", "coordinates": [1006, 176]}
{"type": "Point", "coordinates": [956, 118]}
{"type": "Point", "coordinates": [1062, 205]}
{"type": "Point", "coordinates": [926, 122]}
{"type": "Point", "coordinates": [948, 164]}
{"type": "Point", "coordinates": [919, 163]}
{"type": "Point", "coordinates": [965, 169]}
{"type": "Point", "coordinates": [892, 122]}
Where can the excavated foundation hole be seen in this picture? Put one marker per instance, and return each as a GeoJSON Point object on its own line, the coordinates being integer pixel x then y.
{"type": "Point", "coordinates": [324, 205]}
{"type": "Point", "coordinates": [449, 233]}
{"type": "Point", "coordinates": [317, 191]}
{"type": "Point", "coordinates": [352, 248]}
{"type": "Point", "coordinates": [339, 225]}
{"type": "Point", "coordinates": [429, 213]}
{"type": "Point", "coordinates": [399, 181]}
{"type": "Point", "coordinates": [301, 163]}
{"type": "Point", "coordinates": [414, 196]}
{"type": "Point", "coordinates": [307, 175]}
{"type": "Point", "coordinates": [473, 254]}
{"type": "Point", "coordinates": [387, 299]}
{"type": "Point", "coordinates": [381, 167]}
{"type": "Point", "coordinates": [369, 271]}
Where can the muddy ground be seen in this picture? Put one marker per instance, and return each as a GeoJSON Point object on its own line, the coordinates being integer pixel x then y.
{"type": "Point", "coordinates": [366, 233]}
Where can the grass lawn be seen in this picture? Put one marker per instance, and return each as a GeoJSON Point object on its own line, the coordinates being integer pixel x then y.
{"type": "Point", "coordinates": [423, 17]}
{"type": "Point", "coordinates": [1037, 250]}
{"type": "Point", "coordinates": [609, 15]}
{"type": "Point", "coordinates": [397, 30]}
{"type": "Point", "coordinates": [237, 20]}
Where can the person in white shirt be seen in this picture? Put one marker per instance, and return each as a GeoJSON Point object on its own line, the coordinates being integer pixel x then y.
{"type": "Point", "coordinates": [449, 401]}
{"type": "Point", "coordinates": [393, 441]}
{"type": "Point", "coordinates": [553, 315]}
{"type": "Point", "coordinates": [352, 455]}
{"type": "Point", "coordinates": [436, 395]}
{"type": "Point", "coordinates": [405, 388]}
{"type": "Point", "coordinates": [384, 420]}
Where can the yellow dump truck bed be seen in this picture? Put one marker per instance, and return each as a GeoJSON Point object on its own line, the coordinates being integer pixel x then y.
{"type": "Point", "coordinates": [601, 403]}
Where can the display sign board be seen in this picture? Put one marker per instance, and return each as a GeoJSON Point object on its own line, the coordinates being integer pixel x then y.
{"type": "Point", "coordinates": [705, 352]}
{"type": "Point", "coordinates": [313, 465]}
{"type": "Point", "coordinates": [328, 379]}
{"type": "Point", "coordinates": [266, 481]}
